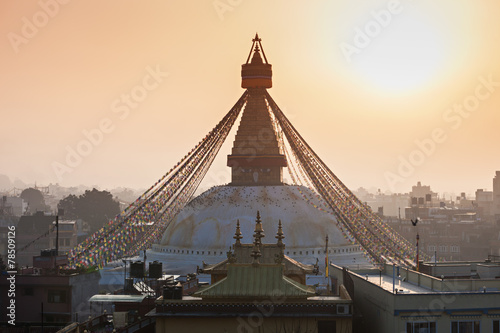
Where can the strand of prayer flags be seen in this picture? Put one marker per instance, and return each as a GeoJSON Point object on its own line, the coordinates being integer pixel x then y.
{"type": "Point", "coordinates": [144, 221]}
{"type": "Point", "coordinates": [379, 241]}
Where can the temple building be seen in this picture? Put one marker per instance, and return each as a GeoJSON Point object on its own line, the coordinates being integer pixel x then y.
{"type": "Point", "coordinates": [257, 288]}
{"type": "Point", "coordinates": [271, 254]}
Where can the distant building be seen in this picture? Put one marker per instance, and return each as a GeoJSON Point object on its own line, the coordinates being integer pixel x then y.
{"type": "Point", "coordinates": [451, 237]}
{"type": "Point", "coordinates": [15, 206]}
{"type": "Point", "coordinates": [484, 203]}
{"type": "Point", "coordinates": [422, 195]}
{"type": "Point", "coordinates": [252, 292]}
{"type": "Point", "coordinates": [496, 196]}
{"type": "Point", "coordinates": [70, 234]}
{"type": "Point", "coordinates": [465, 299]}
{"type": "Point", "coordinates": [388, 205]}
{"type": "Point", "coordinates": [32, 235]}
{"type": "Point", "coordinates": [464, 229]}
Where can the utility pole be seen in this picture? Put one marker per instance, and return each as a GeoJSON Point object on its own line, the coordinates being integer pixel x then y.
{"type": "Point", "coordinates": [418, 261]}
{"type": "Point", "coordinates": [326, 266]}
{"type": "Point", "coordinates": [125, 277]}
{"type": "Point", "coordinates": [414, 223]}
{"type": "Point", "coordinates": [57, 234]}
{"type": "Point", "coordinates": [59, 212]}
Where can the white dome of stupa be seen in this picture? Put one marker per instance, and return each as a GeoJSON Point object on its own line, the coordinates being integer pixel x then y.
{"type": "Point", "coordinates": [204, 229]}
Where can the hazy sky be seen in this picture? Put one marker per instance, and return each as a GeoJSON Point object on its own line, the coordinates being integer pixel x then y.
{"type": "Point", "coordinates": [386, 92]}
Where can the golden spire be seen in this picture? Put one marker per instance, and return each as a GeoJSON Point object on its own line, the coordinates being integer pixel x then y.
{"type": "Point", "coordinates": [279, 235]}
{"type": "Point", "coordinates": [259, 231]}
{"type": "Point", "coordinates": [237, 234]}
{"type": "Point", "coordinates": [258, 234]}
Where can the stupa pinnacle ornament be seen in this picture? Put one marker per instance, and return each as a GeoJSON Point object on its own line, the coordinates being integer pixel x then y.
{"type": "Point", "coordinates": [258, 235]}
{"type": "Point", "coordinates": [237, 234]}
{"type": "Point", "coordinates": [259, 231]}
{"type": "Point", "coordinates": [256, 74]}
{"type": "Point", "coordinates": [279, 235]}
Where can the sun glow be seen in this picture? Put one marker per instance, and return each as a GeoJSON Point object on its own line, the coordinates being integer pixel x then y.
{"type": "Point", "coordinates": [405, 55]}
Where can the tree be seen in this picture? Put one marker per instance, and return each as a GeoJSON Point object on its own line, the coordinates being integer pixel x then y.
{"type": "Point", "coordinates": [94, 207]}
{"type": "Point", "coordinates": [35, 200]}
{"type": "Point", "coordinates": [70, 207]}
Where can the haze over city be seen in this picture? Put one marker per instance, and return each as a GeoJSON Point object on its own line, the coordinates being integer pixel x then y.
{"type": "Point", "coordinates": [116, 93]}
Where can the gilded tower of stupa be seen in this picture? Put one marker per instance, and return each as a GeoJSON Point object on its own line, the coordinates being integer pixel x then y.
{"type": "Point", "coordinates": [256, 157]}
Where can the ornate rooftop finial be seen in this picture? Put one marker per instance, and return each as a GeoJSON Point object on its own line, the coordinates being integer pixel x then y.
{"type": "Point", "coordinates": [257, 242]}
{"type": "Point", "coordinates": [279, 235]}
{"type": "Point", "coordinates": [237, 234]}
{"type": "Point", "coordinates": [259, 231]}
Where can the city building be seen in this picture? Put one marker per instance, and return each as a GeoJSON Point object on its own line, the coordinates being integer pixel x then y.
{"type": "Point", "coordinates": [32, 236]}
{"type": "Point", "coordinates": [484, 204]}
{"type": "Point", "coordinates": [463, 229]}
{"type": "Point", "coordinates": [15, 206]}
{"type": "Point", "coordinates": [461, 238]}
{"type": "Point", "coordinates": [423, 196]}
{"type": "Point", "coordinates": [496, 196]}
{"type": "Point", "coordinates": [45, 292]}
{"type": "Point", "coordinates": [386, 205]}
{"type": "Point", "coordinates": [464, 297]}
{"type": "Point", "coordinates": [70, 234]}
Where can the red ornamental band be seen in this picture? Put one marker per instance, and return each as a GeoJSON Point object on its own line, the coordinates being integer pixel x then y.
{"type": "Point", "coordinates": [256, 161]}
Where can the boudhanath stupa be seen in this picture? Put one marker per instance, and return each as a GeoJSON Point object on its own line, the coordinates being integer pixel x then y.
{"type": "Point", "coordinates": [203, 230]}
{"type": "Point", "coordinates": [183, 231]}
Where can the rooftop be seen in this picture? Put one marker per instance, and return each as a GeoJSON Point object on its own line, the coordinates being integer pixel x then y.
{"type": "Point", "coordinates": [413, 282]}
{"type": "Point", "coordinates": [262, 280]}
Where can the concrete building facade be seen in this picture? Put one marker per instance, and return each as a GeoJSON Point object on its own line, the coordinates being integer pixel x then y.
{"type": "Point", "coordinates": [402, 300]}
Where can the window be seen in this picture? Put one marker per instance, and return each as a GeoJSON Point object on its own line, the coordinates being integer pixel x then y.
{"type": "Point", "coordinates": [421, 327]}
{"type": "Point", "coordinates": [327, 326]}
{"type": "Point", "coordinates": [455, 249]}
{"type": "Point", "coordinates": [443, 248]}
{"type": "Point", "coordinates": [66, 227]}
{"type": "Point", "coordinates": [57, 296]}
{"type": "Point", "coordinates": [496, 326]}
{"type": "Point", "coordinates": [465, 326]}
{"type": "Point", "coordinates": [431, 248]}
